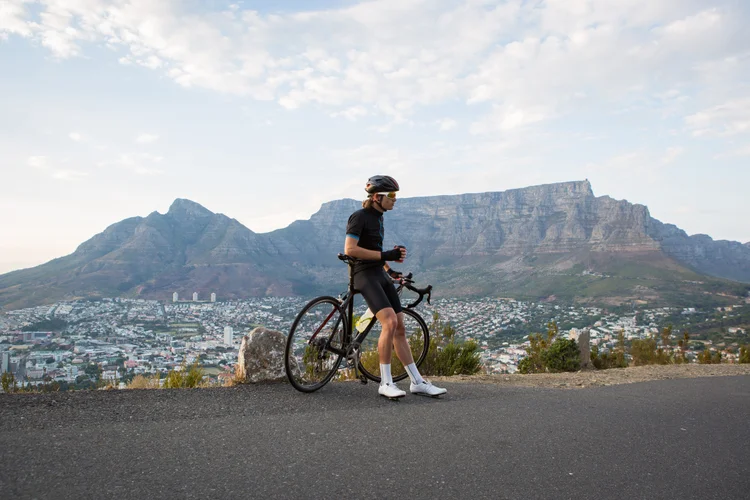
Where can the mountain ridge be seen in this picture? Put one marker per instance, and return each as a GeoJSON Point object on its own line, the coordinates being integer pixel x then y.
{"type": "Point", "coordinates": [540, 241]}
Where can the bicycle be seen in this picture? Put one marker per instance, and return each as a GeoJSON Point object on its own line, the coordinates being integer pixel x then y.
{"type": "Point", "coordinates": [322, 336]}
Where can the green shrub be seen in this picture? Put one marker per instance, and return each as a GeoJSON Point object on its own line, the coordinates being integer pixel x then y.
{"type": "Point", "coordinates": [548, 354]}
{"type": "Point", "coordinates": [745, 354]}
{"type": "Point", "coordinates": [612, 359]}
{"type": "Point", "coordinates": [534, 360]}
{"type": "Point", "coordinates": [643, 351]}
{"type": "Point", "coordinates": [708, 358]}
{"type": "Point", "coordinates": [9, 383]}
{"type": "Point", "coordinates": [448, 356]}
{"type": "Point", "coordinates": [563, 356]}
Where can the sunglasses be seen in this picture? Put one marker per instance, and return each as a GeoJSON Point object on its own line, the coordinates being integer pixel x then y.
{"type": "Point", "coordinates": [391, 195]}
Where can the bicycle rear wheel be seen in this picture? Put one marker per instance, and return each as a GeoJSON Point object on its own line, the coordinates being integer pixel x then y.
{"type": "Point", "coordinates": [315, 343]}
{"type": "Point", "coordinates": [417, 335]}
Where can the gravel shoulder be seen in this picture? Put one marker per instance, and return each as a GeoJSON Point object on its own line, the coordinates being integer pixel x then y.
{"type": "Point", "coordinates": [597, 378]}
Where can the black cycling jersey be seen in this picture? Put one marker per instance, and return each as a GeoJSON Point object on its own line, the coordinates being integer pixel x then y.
{"type": "Point", "coordinates": [366, 226]}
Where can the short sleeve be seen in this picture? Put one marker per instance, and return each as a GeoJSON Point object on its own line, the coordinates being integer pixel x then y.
{"type": "Point", "coordinates": [355, 226]}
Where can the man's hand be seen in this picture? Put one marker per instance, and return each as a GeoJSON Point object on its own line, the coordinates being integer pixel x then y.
{"type": "Point", "coordinates": [403, 252]}
{"type": "Point", "coordinates": [394, 274]}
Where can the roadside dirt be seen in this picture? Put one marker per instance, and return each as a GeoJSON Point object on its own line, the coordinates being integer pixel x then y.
{"type": "Point", "coordinates": [595, 378]}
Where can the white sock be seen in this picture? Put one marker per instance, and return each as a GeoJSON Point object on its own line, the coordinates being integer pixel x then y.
{"type": "Point", "coordinates": [385, 374]}
{"type": "Point", "coordinates": [414, 375]}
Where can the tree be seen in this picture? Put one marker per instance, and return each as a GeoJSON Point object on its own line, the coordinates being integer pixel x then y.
{"type": "Point", "coordinates": [94, 371]}
{"type": "Point", "coordinates": [683, 345]}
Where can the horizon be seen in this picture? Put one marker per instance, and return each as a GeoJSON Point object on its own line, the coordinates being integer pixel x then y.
{"type": "Point", "coordinates": [267, 111]}
{"type": "Point", "coordinates": [332, 201]}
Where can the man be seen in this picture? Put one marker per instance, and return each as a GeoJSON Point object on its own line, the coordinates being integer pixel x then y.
{"type": "Point", "coordinates": [364, 241]}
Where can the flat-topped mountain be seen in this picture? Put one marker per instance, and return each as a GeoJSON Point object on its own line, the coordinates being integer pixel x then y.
{"type": "Point", "coordinates": [550, 241]}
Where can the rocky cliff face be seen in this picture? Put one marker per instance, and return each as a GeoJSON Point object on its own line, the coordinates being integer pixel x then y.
{"type": "Point", "coordinates": [538, 241]}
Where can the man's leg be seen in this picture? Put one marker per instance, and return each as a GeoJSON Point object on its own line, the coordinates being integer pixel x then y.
{"type": "Point", "coordinates": [389, 325]}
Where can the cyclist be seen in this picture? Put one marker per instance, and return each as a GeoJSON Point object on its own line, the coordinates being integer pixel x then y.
{"type": "Point", "coordinates": [364, 241]}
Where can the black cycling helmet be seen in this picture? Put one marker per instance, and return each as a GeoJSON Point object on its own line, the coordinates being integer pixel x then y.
{"type": "Point", "coordinates": [381, 184]}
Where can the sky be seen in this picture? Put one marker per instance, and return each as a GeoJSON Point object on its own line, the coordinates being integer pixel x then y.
{"type": "Point", "coordinates": [264, 110]}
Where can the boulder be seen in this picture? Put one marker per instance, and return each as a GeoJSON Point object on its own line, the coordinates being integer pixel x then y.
{"type": "Point", "coordinates": [584, 344]}
{"type": "Point", "coordinates": [583, 338]}
{"type": "Point", "coordinates": [261, 357]}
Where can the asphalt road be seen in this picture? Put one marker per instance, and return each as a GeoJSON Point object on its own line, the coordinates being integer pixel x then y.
{"type": "Point", "coordinates": [685, 438]}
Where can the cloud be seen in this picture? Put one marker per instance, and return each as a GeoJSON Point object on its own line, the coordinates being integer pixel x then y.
{"type": "Point", "coordinates": [671, 155]}
{"type": "Point", "coordinates": [447, 124]}
{"type": "Point", "coordinates": [730, 118]}
{"type": "Point", "coordinates": [516, 64]}
{"type": "Point", "coordinates": [137, 163]}
{"type": "Point", "coordinates": [43, 164]}
{"type": "Point", "coordinates": [39, 162]}
{"type": "Point", "coordinates": [75, 137]}
{"type": "Point", "coordinates": [146, 138]}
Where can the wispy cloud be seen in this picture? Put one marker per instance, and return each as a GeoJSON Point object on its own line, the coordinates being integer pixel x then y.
{"type": "Point", "coordinates": [45, 165]}
{"type": "Point", "coordinates": [146, 138]}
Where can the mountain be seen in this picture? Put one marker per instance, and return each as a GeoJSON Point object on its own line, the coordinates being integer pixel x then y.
{"type": "Point", "coordinates": [541, 242]}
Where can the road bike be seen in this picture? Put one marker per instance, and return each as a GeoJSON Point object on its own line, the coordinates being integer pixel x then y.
{"type": "Point", "coordinates": [321, 342]}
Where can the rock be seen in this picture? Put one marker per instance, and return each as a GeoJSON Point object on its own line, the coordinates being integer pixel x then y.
{"type": "Point", "coordinates": [261, 357]}
{"type": "Point", "coordinates": [584, 338]}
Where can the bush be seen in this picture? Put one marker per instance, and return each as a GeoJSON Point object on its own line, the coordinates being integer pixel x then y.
{"type": "Point", "coordinates": [447, 356]}
{"type": "Point", "coordinates": [184, 377]}
{"type": "Point", "coordinates": [708, 358]}
{"type": "Point", "coordinates": [9, 383]}
{"type": "Point", "coordinates": [643, 351]}
{"type": "Point", "coordinates": [611, 359]}
{"type": "Point", "coordinates": [534, 360]}
{"type": "Point", "coordinates": [548, 355]}
{"type": "Point", "coordinates": [142, 382]}
{"type": "Point", "coordinates": [563, 356]}
{"type": "Point", "coordinates": [745, 354]}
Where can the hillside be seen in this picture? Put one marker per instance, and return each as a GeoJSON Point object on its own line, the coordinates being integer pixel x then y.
{"type": "Point", "coordinates": [555, 241]}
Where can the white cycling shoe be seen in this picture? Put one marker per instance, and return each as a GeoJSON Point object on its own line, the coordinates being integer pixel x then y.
{"type": "Point", "coordinates": [424, 388]}
{"type": "Point", "coordinates": [390, 391]}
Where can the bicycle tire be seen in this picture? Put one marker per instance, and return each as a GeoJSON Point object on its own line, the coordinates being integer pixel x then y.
{"type": "Point", "coordinates": [311, 366]}
{"type": "Point", "coordinates": [419, 342]}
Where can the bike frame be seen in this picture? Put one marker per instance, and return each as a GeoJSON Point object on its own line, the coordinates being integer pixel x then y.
{"type": "Point", "coordinates": [347, 304]}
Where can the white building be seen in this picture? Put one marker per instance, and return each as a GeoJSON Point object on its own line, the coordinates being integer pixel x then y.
{"type": "Point", "coordinates": [228, 335]}
{"type": "Point", "coordinates": [175, 297]}
{"type": "Point", "coordinates": [195, 296]}
{"type": "Point", "coordinates": [213, 297]}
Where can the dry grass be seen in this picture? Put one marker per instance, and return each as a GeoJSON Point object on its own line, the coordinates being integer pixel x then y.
{"type": "Point", "coordinates": [613, 376]}
{"type": "Point", "coordinates": [143, 382]}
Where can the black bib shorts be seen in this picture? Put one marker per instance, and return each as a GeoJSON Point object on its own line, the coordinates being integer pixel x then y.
{"type": "Point", "coordinates": [377, 289]}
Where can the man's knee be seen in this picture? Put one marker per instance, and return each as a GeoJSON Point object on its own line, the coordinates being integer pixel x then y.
{"type": "Point", "coordinates": [388, 320]}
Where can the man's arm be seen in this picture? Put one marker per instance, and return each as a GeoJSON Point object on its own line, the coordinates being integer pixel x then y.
{"type": "Point", "coordinates": [353, 250]}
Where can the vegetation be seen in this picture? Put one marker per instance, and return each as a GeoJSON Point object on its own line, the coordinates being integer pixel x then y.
{"type": "Point", "coordinates": [709, 358]}
{"type": "Point", "coordinates": [143, 382]}
{"type": "Point", "coordinates": [612, 359]}
{"type": "Point", "coordinates": [47, 325]}
{"type": "Point", "coordinates": [184, 377]}
{"type": "Point", "coordinates": [550, 354]}
{"type": "Point", "coordinates": [448, 356]}
{"type": "Point", "coordinates": [8, 381]}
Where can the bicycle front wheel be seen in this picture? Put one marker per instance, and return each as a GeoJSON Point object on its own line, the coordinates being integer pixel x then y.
{"type": "Point", "coordinates": [314, 346]}
{"type": "Point", "coordinates": [417, 335]}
